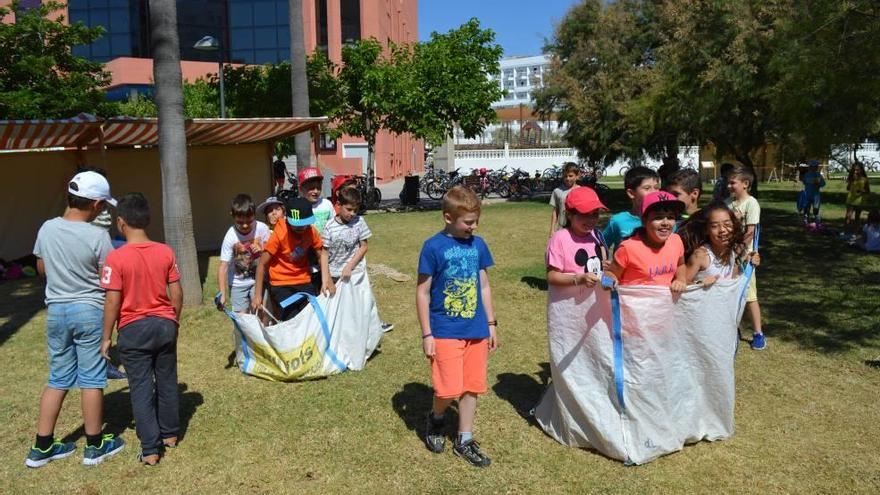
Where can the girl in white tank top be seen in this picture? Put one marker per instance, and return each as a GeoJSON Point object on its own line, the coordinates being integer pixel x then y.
{"type": "Point", "coordinates": [714, 241]}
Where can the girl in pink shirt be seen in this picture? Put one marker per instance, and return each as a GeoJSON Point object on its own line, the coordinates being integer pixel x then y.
{"type": "Point", "coordinates": [575, 253]}
{"type": "Point", "coordinates": [655, 254]}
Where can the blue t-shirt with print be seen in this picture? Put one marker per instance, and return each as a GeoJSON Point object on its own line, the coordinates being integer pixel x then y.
{"type": "Point", "coordinates": [813, 181]}
{"type": "Point", "coordinates": [620, 228]}
{"type": "Point", "coordinates": [456, 309]}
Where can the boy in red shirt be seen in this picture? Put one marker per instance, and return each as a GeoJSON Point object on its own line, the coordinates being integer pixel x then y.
{"type": "Point", "coordinates": [286, 254]}
{"type": "Point", "coordinates": [144, 295]}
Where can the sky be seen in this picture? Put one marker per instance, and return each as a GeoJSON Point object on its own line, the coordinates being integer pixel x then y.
{"type": "Point", "coordinates": [520, 26]}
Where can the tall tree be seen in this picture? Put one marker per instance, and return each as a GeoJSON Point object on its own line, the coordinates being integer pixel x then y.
{"type": "Point", "coordinates": [176, 204]}
{"type": "Point", "coordinates": [299, 82]}
{"type": "Point", "coordinates": [39, 75]}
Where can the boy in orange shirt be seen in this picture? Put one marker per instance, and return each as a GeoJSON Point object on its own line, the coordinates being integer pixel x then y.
{"type": "Point", "coordinates": [286, 256]}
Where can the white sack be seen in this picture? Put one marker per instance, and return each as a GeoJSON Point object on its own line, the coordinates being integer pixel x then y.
{"type": "Point", "coordinates": [677, 369]}
{"type": "Point", "coordinates": [303, 348]}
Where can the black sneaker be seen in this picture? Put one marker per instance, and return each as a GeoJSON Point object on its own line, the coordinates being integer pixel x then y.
{"type": "Point", "coordinates": [470, 451]}
{"type": "Point", "coordinates": [434, 438]}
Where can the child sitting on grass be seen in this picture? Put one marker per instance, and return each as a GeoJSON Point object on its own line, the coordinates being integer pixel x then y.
{"type": "Point", "coordinates": [575, 254]}
{"type": "Point", "coordinates": [454, 305]}
{"type": "Point", "coordinates": [144, 295]}
{"type": "Point", "coordinates": [639, 182]}
{"type": "Point", "coordinates": [870, 240]}
{"type": "Point", "coordinates": [713, 241]}
{"type": "Point", "coordinates": [570, 175]}
{"type": "Point", "coordinates": [654, 255]}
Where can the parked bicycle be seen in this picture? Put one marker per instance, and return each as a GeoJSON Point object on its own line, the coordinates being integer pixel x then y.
{"type": "Point", "coordinates": [371, 194]}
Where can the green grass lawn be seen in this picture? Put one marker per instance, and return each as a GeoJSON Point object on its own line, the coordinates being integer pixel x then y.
{"type": "Point", "coordinates": [807, 412]}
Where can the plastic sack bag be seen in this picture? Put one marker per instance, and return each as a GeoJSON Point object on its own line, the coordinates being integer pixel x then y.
{"type": "Point", "coordinates": [329, 336]}
{"type": "Point", "coordinates": [662, 378]}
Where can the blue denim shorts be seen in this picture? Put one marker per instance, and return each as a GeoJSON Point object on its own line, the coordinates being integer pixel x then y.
{"type": "Point", "coordinates": [73, 338]}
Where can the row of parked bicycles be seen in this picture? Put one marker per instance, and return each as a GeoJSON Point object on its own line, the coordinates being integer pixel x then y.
{"type": "Point", "coordinates": [504, 182]}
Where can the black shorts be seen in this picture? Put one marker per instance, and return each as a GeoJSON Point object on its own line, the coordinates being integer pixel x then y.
{"type": "Point", "coordinates": [280, 293]}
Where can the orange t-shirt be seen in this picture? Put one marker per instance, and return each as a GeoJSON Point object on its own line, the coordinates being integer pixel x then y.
{"type": "Point", "coordinates": [643, 265]}
{"type": "Point", "coordinates": [289, 250]}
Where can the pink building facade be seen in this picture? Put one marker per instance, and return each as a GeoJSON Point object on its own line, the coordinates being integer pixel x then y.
{"type": "Point", "coordinates": [328, 24]}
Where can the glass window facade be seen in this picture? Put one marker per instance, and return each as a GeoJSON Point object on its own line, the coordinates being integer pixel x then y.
{"type": "Point", "coordinates": [197, 19]}
{"type": "Point", "coordinates": [122, 28]}
{"type": "Point", "coordinates": [258, 31]}
{"type": "Point", "coordinates": [321, 25]}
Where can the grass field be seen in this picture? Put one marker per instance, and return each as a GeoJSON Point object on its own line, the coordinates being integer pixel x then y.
{"type": "Point", "coordinates": [807, 412]}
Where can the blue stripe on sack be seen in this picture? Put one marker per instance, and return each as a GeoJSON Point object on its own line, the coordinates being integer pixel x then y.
{"type": "Point", "coordinates": [244, 345]}
{"type": "Point", "coordinates": [750, 268]}
{"type": "Point", "coordinates": [617, 338]}
{"type": "Point", "coordinates": [325, 328]}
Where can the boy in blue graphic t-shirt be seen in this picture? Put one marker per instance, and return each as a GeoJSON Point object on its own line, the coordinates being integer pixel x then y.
{"type": "Point", "coordinates": [454, 304]}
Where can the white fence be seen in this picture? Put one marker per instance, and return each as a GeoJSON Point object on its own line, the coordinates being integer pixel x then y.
{"type": "Point", "coordinates": [537, 159]}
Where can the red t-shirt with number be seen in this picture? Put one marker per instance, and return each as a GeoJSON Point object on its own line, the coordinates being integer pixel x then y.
{"type": "Point", "coordinates": [142, 273]}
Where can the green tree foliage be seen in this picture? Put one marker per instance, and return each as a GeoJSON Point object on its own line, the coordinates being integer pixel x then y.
{"type": "Point", "coordinates": [201, 100]}
{"type": "Point", "coordinates": [424, 89]}
{"type": "Point", "coordinates": [39, 76]}
{"type": "Point", "coordinates": [638, 76]}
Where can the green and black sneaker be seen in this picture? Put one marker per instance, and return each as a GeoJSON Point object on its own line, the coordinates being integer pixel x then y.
{"type": "Point", "coordinates": [58, 450]}
{"type": "Point", "coordinates": [434, 438]}
{"type": "Point", "coordinates": [470, 451]}
{"type": "Point", "coordinates": [110, 446]}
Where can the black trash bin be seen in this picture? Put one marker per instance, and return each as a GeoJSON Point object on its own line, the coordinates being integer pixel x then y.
{"type": "Point", "coordinates": [409, 196]}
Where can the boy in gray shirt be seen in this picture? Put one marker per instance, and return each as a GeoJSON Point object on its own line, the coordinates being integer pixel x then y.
{"type": "Point", "coordinates": [69, 254]}
{"type": "Point", "coordinates": [570, 175]}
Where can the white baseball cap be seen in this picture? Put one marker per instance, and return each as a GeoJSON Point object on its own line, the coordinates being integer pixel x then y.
{"type": "Point", "coordinates": [91, 185]}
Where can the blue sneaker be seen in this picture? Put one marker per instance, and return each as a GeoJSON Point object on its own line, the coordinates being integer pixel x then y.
{"type": "Point", "coordinates": [758, 342]}
{"type": "Point", "coordinates": [110, 446]}
{"type": "Point", "coordinates": [113, 373]}
{"type": "Point", "coordinates": [58, 450]}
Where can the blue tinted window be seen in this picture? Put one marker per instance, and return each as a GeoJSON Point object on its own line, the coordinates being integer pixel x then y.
{"type": "Point", "coordinates": [242, 38]}
{"type": "Point", "coordinates": [119, 20]}
{"type": "Point", "coordinates": [265, 38]}
{"type": "Point", "coordinates": [243, 56]}
{"type": "Point", "coordinates": [241, 15]}
{"type": "Point", "coordinates": [99, 17]}
{"type": "Point", "coordinates": [284, 38]}
{"type": "Point", "coordinates": [264, 13]}
{"type": "Point", "coordinates": [265, 56]}
{"type": "Point", "coordinates": [281, 12]}
{"type": "Point", "coordinates": [101, 47]}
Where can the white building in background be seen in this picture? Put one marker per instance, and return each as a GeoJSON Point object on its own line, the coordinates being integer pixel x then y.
{"type": "Point", "coordinates": [519, 77]}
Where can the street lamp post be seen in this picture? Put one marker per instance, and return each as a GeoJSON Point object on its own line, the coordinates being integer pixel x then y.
{"type": "Point", "coordinates": [211, 44]}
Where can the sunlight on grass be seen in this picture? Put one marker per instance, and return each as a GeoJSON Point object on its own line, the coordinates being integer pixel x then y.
{"type": "Point", "coordinates": [807, 416]}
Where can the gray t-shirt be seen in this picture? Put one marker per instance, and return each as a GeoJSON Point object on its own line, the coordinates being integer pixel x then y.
{"type": "Point", "coordinates": [73, 253]}
{"type": "Point", "coordinates": [342, 240]}
{"type": "Point", "coordinates": [557, 201]}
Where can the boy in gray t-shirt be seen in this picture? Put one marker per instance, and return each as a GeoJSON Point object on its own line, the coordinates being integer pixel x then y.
{"type": "Point", "coordinates": [570, 175]}
{"type": "Point", "coordinates": [69, 254]}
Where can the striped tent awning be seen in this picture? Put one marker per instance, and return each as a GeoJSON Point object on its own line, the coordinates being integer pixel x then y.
{"type": "Point", "coordinates": [42, 134]}
{"type": "Point", "coordinates": [202, 132]}
{"type": "Point", "coordinates": [125, 131]}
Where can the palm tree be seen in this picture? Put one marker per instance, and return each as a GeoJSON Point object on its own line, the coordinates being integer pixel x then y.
{"type": "Point", "coordinates": [299, 82]}
{"type": "Point", "coordinates": [176, 204]}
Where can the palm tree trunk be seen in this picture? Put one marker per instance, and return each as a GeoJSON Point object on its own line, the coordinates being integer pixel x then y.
{"type": "Point", "coordinates": [176, 205]}
{"type": "Point", "coordinates": [299, 83]}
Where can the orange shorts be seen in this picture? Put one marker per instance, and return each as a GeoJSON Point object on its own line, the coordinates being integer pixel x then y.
{"type": "Point", "coordinates": [459, 366]}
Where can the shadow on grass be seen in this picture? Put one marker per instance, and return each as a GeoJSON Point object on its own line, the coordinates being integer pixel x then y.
{"type": "Point", "coordinates": [118, 416]}
{"type": "Point", "coordinates": [814, 290]}
{"type": "Point", "coordinates": [20, 300]}
{"type": "Point", "coordinates": [535, 282]}
{"type": "Point", "coordinates": [412, 403]}
{"type": "Point", "coordinates": [523, 391]}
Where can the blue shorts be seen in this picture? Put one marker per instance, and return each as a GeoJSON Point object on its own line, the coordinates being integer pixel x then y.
{"type": "Point", "coordinates": [73, 338]}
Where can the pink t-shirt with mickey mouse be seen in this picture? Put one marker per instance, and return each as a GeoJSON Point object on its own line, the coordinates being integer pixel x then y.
{"type": "Point", "coordinates": [562, 253]}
